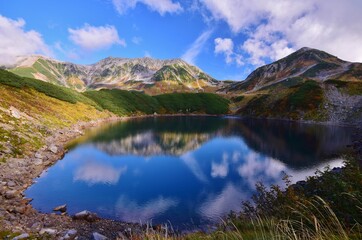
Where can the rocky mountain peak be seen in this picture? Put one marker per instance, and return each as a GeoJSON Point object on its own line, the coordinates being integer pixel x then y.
{"type": "Point", "coordinates": [306, 63]}
{"type": "Point", "coordinates": [113, 72]}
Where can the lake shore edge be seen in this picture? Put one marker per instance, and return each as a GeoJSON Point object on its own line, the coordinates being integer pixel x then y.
{"type": "Point", "coordinates": [17, 174]}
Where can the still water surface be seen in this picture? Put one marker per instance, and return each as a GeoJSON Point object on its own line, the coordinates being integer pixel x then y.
{"type": "Point", "coordinates": [189, 171]}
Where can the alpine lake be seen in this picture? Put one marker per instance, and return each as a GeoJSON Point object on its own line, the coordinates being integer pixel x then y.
{"type": "Point", "coordinates": [187, 171]}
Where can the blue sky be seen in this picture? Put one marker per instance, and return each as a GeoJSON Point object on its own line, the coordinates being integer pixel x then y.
{"type": "Point", "coordinates": [227, 39]}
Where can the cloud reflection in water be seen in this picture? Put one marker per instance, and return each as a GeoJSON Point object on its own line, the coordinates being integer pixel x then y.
{"type": "Point", "coordinates": [131, 211]}
{"type": "Point", "coordinates": [93, 172]}
{"type": "Point", "coordinates": [216, 206]}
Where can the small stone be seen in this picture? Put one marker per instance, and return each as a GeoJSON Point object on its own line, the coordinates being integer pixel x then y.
{"type": "Point", "coordinates": [38, 161]}
{"type": "Point", "coordinates": [20, 210]}
{"type": "Point", "coordinates": [11, 184]}
{"type": "Point", "coordinates": [21, 236]}
{"type": "Point", "coordinates": [98, 236]}
{"type": "Point", "coordinates": [15, 112]}
{"type": "Point", "coordinates": [36, 226]}
{"type": "Point", "coordinates": [10, 194]}
{"type": "Point", "coordinates": [49, 231]}
{"type": "Point", "coordinates": [38, 155]}
{"type": "Point", "coordinates": [86, 215]}
{"type": "Point", "coordinates": [61, 208]}
{"type": "Point", "coordinates": [53, 148]}
{"type": "Point", "coordinates": [7, 151]}
{"type": "Point", "coordinates": [71, 234]}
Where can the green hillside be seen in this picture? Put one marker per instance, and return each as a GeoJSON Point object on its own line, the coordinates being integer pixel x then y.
{"type": "Point", "coordinates": [304, 99]}
{"type": "Point", "coordinates": [192, 102]}
{"type": "Point", "coordinates": [31, 110]}
{"type": "Point", "coordinates": [123, 102]}
{"type": "Point", "coordinates": [51, 90]}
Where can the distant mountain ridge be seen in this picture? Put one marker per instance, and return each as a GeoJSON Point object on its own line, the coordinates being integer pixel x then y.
{"type": "Point", "coordinates": [146, 74]}
{"type": "Point", "coordinates": [306, 63]}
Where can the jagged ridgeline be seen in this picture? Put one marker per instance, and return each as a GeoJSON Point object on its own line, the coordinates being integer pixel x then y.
{"type": "Point", "coordinates": [120, 102]}
{"type": "Point", "coordinates": [152, 76]}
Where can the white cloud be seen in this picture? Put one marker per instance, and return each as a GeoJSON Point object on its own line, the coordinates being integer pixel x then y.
{"type": "Point", "coordinates": [136, 40]}
{"type": "Point", "coordinates": [226, 46]}
{"type": "Point", "coordinates": [194, 50]}
{"type": "Point", "coordinates": [275, 28]}
{"type": "Point", "coordinates": [16, 41]}
{"type": "Point", "coordinates": [94, 38]}
{"type": "Point", "coordinates": [160, 6]}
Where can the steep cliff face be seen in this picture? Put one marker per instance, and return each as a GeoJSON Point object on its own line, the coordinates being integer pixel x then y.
{"type": "Point", "coordinates": [145, 74]}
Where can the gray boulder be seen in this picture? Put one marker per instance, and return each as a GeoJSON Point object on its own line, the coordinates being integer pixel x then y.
{"type": "Point", "coordinates": [61, 208]}
{"type": "Point", "coordinates": [98, 236]}
{"type": "Point", "coordinates": [86, 215]}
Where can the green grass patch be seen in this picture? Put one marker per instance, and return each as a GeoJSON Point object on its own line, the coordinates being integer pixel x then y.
{"type": "Point", "coordinates": [173, 73]}
{"type": "Point", "coordinates": [193, 102]}
{"type": "Point", "coordinates": [351, 88]}
{"type": "Point", "coordinates": [301, 101]}
{"type": "Point", "coordinates": [237, 98]}
{"type": "Point", "coordinates": [24, 72]}
{"type": "Point", "coordinates": [307, 96]}
{"type": "Point", "coordinates": [123, 102]}
{"type": "Point", "coordinates": [257, 106]}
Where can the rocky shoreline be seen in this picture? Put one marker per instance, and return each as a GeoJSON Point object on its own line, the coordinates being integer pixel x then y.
{"type": "Point", "coordinates": [16, 212]}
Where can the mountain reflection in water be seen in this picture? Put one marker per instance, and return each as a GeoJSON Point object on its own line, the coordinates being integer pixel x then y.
{"type": "Point", "coordinates": [187, 170]}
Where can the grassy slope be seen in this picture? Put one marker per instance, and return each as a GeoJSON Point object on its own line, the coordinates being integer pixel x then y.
{"type": "Point", "coordinates": [135, 103]}
{"type": "Point", "coordinates": [40, 115]}
{"type": "Point", "coordinates": [192, 102]}
{"type": "Point", "coordinates": [45, 107]}
{"type": "Point", "coordinates": [293, 99]}
{"type": "Point", "coordinates": [123, 102]}
{"type": "Point", "coordinates": [301, 98]}
{"type": "Point", "coordinates": [301, 101]}
{"type": "Point", "coordinates": [51, 90]}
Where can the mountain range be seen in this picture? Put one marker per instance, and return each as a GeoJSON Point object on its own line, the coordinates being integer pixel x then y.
{"type": "Point", "coordinates": [309, 84]}
{"type": "Point", "coordinates": [152, 76]}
